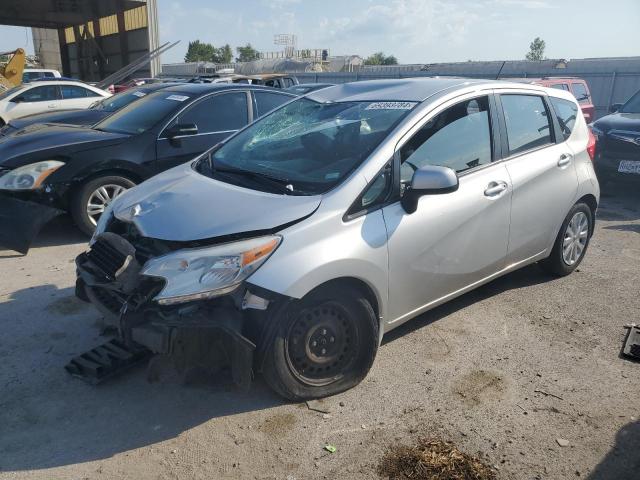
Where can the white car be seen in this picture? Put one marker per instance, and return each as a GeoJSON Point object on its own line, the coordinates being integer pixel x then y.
{"type": "Point", "coordinates": [47, 96]}
{"type": "Point", "coordinates": [33, 74]}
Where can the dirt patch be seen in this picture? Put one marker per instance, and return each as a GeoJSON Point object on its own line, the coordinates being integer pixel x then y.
{"type": "Point", "coordinates": [479, 386]}
{"type": "Point", "coordinates": [66, 306]}
{"type": "Point", "coordinates": [432, 460]}
{"type": "Point", "coordinates": [277, 425]}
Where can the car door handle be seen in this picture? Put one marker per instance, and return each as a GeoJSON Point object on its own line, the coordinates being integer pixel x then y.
{"type": "Point", "coordinates": [51, 106]}
{"type": "Point", "coordinates": [565, 159]}
{"type": "Point", "coordinates": [495, 188]}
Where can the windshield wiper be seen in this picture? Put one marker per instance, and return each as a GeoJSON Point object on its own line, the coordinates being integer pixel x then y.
{"type": "Point", "coordinates": [281, 184]}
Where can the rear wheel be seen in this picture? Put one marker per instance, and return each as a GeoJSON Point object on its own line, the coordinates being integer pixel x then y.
{"type": "Point", "coordinates": [572, 241]}
{"type": "Point", "coordinates": [93, 197]}
{"type": "Point", "coordinates": [324, 346]}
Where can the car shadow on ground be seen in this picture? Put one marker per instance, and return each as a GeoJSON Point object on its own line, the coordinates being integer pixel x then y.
{"type": "Point", "coordinates": [59, 231]}
{"type": "Point", "coordinates": [619, 201]}
{"type": "Point", "coordinates": [523, 278]}
{"type": "Point", "coordinates": [50, 419]}
{"type": "Point", "coordinates": [623, 460]}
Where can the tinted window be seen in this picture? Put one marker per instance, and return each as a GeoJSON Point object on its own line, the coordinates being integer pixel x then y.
{"type": "Point", "coordinates": [48, 74]}
{"type": "Point", "coordinates": [265, 101]}
{"type": "Point", "coordinates": [560, 86]}
{"type": "Point", "coordinates": [527, 122]}
{"type": "Point", "coordinates": [580, 92]}
{"type": "Point", "coordinates": [566, 112]}
{"type": "Point", "coordinates": [28, 76]}
{"type": "Point", "coordinates": [41, 94]}
{"type": "Point", "coordinates": [142, 115]}
{"type": "Point", "coordinates": [219, 113]}
{"type": "Point", "coordinates": [458, 138]}
{"type": "Point", "coordinates": [632, 105]}
{"type": "Point", "coordinates": [73, 91]}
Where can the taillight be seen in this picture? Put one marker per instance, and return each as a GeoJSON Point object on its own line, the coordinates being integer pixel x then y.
{"type": "Point", "coordinates": [591, 146]}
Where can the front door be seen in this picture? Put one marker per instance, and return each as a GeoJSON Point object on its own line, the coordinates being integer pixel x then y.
{"type": "Point", "coordinates": [216, 118]}
{"type": "Point", "coordinates": [35, 100]}
{"type": "Point", "coordinates": [455, 240]}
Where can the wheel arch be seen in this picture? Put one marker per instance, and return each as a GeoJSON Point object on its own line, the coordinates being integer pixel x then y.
{"type": "Point", "coordinates": [592, 203]}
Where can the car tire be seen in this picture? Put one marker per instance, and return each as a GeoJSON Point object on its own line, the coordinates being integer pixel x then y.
{"type": "Point", "coordinates": [100, 191]}
{"type": "Point", "coordinates": [324, 345]}
{"type": "Point", "coordinates": [571, 243]}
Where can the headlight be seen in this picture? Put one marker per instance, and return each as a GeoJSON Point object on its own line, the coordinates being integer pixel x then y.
{"type": "Point", "coordinates": [208, 272]}
{"type": "Point", "coordinates": [29, 177]}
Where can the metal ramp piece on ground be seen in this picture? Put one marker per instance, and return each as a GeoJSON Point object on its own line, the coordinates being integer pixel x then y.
{"type": "Point", "coordinates": [631, 348]}
{"type": "Point", "coordinates": [107, 360]}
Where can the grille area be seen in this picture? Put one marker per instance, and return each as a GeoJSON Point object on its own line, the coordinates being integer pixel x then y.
{"type": "Point", "coordinates": [107, 258]}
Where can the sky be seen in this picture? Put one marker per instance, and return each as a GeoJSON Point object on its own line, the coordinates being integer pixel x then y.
{"type": "Point", "coordinates": [415, 31]}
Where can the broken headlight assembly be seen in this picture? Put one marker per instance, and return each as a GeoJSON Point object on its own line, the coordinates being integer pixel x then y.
{"type": "Point", "coordinates": [29, 177]}
{"type": "Point", "coordinates": [201, 273]}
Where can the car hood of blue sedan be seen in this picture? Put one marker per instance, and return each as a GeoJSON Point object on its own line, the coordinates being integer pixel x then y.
{"type": "Point", "coordinates": [40, 142]}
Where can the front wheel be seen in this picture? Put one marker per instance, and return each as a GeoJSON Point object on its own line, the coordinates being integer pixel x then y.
{"type": "Point", "coordinates": [93, 197]}
{"type": "Point", "coordinates": [572, 241]}
{"type": "Point", "coordinates": [323, 346]}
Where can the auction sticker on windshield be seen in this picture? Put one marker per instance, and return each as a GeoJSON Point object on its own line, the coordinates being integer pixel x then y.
{"type": "Point", "coordinates": [178, 98]}
{"type": "Point", "coordinates": [139, 94]}
{"type": "Point", "coordinates": [391, 106]}
{"type": "Point", "coordinates": [629, 166]}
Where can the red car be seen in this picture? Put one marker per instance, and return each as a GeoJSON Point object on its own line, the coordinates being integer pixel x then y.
{"type": "Point", "coordinates": [134, 82]}
{"type": "Point", "coordinates": [575, 85]}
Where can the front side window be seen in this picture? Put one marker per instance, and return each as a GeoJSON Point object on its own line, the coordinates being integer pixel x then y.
{"type": "Point", "coordinates": [219, 113]}
{"type": "Point", "coordinates": [580, 92]}
{"type": "Point", "coordinates": [527, 120]}
{"type": "Point", "coordinates": [560, 86]}
{"type": "Point", "coordinates": [40, 94]}
{"type": "Point", "coordinates": [265, 101]}
{"type": "Point", "coordinates": [459, 138]}
{"type": "Point", "coordinates": [566, 113]}
{"type": "Point", "coordinates": [138, 117]}
{"type": "Point", "coordinates": [309, 145]}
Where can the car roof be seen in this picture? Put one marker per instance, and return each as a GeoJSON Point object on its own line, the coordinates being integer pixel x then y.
{"type": "Point", "coordinates": [203, 88]}
{"type": "Point", "coordinates": [57, 81]}
{"type": "Point", "coordinates": [404, 90]}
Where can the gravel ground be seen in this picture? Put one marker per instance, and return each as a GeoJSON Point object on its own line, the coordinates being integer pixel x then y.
{"type": "Point", "coordinates": [511, 370]}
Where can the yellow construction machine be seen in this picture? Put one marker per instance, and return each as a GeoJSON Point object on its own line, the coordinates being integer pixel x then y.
{"type": "Point", "coordinates": [11, 72]}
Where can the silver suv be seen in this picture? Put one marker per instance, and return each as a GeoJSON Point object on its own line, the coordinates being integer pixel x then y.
{"type": "Point", "coordinates": [295, 245]}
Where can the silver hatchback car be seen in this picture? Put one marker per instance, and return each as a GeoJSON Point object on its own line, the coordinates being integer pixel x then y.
{"type": "Point", "coordinates": [294, 246]}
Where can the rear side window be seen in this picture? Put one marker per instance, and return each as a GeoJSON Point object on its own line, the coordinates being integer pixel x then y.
{"type": "Point", "coordinates": [48, 75]}
{"type": "Point", "coordinates": [220, 113]}
{"type": "Point", "coordinates": [560, 86]}
{"type": "Point", "coordinates": [73, 91]}
{"type": "Point", "coordinates": [265, 101]}
{"type": "Point", "coordinates": [580, 92]}
{"type": "Point", "coordinates": [566, 113]}
{"type": "Point", "coordinates": [458, 138]}
{"type": "Point", "coordinates": [527, 122]}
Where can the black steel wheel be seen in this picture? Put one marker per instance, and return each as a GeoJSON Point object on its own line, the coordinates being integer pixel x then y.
{"type": "Point", "coordinates": [323, 346]}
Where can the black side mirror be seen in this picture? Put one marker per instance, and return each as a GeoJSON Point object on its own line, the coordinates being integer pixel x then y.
{"type": "Point", "coordinates": [181, 130]}
{"type": "Point", "coordinates": [615, 107]}
{"type": "Point", "coordinates": [429, 180]}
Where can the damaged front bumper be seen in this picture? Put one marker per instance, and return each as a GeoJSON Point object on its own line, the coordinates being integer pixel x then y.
{"type": "Point", "coordinates": [22, 216]}
{"type": "Point", "coordinates": [198, 333]}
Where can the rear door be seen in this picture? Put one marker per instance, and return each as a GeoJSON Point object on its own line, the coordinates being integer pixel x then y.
{"type": "Point", "coordinates": [265, 101]}
{"type": "Point", "coordinates": [216, 117]}
{"type": "Point", "coordinates": [542, 172]}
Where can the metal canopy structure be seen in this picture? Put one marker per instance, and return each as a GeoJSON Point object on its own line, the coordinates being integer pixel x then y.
{"type": "Point", "coordinates": [60, 13]}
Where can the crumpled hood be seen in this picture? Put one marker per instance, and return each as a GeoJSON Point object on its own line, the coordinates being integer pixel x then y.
{"type": "Point", "coordinates": [183, 205]}
{"type": "Point", "coordinates": [39, 141]}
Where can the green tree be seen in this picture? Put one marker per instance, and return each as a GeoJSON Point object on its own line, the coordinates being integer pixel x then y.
{"type": "Point", "coordinates": [198, 51]}
{"type": "Point", "coordinates": [379, 58]}
{"type": "Point", "coordinates": [247, 53]}
{"type": "Point", "coordinates": [225, 54]}
{"type": "Point", "coordinates": [536, 50]}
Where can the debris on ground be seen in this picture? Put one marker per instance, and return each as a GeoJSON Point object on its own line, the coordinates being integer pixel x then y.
{"type": "Point", "coordinates": [432, 460]}
{"type": "Point", "coordinates": [317, 406]}
{"type": "Point", "coordinates": [562, 442]}
{"type": "Point", "coordinates": [631, 346]}
{"type": "Point", "coordinates": [330, 448]}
